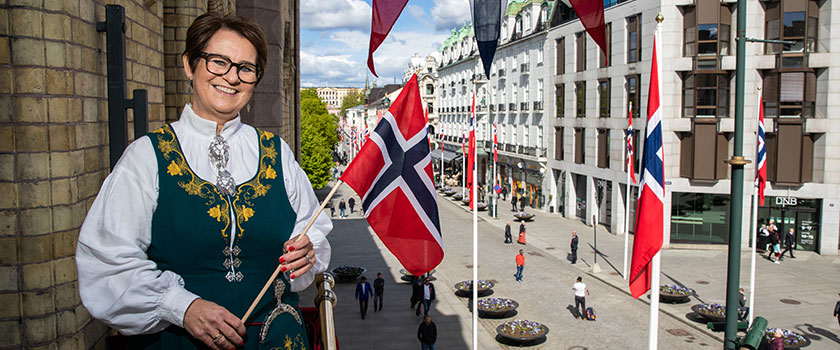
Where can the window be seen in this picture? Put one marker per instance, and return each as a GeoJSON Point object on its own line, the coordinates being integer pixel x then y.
{"type": "Point", "coordinates": [540, 141]}
{"type": "Point", "coordinates": [517, 28]}
{"type": "Point", "coordinates": [430, 108]}
{"type": "Point", "coordinates": [789, 94]}
{"type": "Point", "coordinates": [580, 99]}
{"type": "Point", "coordinates": [430, 89]}
{"type": "Point", "coordinates": [706, 32]}
{"type": "Point", "coordinates": [796, 21]}
{"type": "Point", "coordinates": [703, 151]}
{"type": "Point", "coordinates": [559, 106]}
{"type": "Point", "coordinates": [580, 51]}
{"type": "Point", "coordinates": [603, 148]}
{"type": "Point", "coordinates": [540, 55]}
{"type": "Point", "coordinates": [706, 95]}
{"type": "Point", "coordinates": [525, 140]}
{"type": "Point", "coordinates": [580, 144]}
{"type": "Point", "coordinates": [634, 38]}
{"type": "Point", "coordinates": [699, 217]}
{"type": "Point", "coordinates": [790, 153]}
{"type": "Point", "coordinates": [540, 91]}
{"type": "Point", "coordinates": [560, 60]}
{"type": "Point", "coordinates": [558, 143]}
{"type": "Point", "coordinates": [604, 98]}
{"type": "Point", "coordinates": [633, 87]}
{"type": "Point", "coordinates": [604, 62]}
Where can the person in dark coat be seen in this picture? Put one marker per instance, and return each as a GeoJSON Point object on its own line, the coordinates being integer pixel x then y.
{"type": "Point", "coordinates": [378, 292]}
{"type": "Point", "coordinates": [774, 245]}
{"type": "Point", "coordinates": [508, 238]}
{"type": "Point", "coordinates": [521, 239]}
{"type": "Point", "coordinates": [417, 293]}
{"type": "Point", "coordinates": [574, 246]}
{"type": "Point", "coordinates": [341, 207]}
{"type": "Point", "coordinates": [790, 244]}
{"type": "Point", "coordinates": [428, 295]}
{"type": "Point", "coordinates": [513, 201]}
{"type": "Point", "coordinates": [363, 293]}
{"type": "Point", "coordinates": [837, 311]}
{"type": "Point", "coordinates": [352, 203]}
{"type": "Point", "coordinates": [427, 334]}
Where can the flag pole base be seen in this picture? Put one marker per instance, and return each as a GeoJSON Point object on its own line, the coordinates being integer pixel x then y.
{"type": "Point", "coordinates": [596, 268]}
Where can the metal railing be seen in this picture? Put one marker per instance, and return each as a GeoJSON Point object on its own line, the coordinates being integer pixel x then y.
{"type": "Point", "coordinates": [512, 106]}
{"type": "Point", "coordinates": [538, 105]}
{"type": "Point", "coordinates": [523, 106]}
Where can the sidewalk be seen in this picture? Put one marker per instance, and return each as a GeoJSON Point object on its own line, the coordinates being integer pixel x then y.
{"type": "Point", "coordinates": [798, 294]}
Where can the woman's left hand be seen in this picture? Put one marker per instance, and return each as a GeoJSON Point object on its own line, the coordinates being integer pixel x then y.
{"type": "Point", "coordinates": [299, 256]}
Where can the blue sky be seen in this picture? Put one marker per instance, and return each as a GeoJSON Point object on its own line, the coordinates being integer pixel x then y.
{"type": "Point", "coordinates": [334, 39]}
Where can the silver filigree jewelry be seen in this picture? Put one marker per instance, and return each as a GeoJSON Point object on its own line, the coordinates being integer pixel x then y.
{"type": "Point", "coordinates": [279, 288]}
{"type": "Point", "coordinates": [232, 262]}
{"type": "Point", "coordinates": [219, 156]}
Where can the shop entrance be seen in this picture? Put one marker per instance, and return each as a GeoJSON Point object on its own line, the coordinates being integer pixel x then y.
{"type": "Point", "coordinates": [580, 196]}
{"type": "Point", "coordinates": [801, 214]}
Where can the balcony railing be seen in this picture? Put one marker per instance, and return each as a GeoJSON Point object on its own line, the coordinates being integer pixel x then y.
{"type": "Point", "coordinates": [523, 106]}
{"type": "Point", "coordinates": [512, 106]}
{"type": "Point", "coordinates": [530, 151]}
{"type": "Point", "coordinates": [510, 148]}
{"type": "Point", "coordinates": [492, 107]}
{"type": "Point", "coordinates": [538, 105]}
{"type": "Point", "coordinates": [524, 68]}
{"type": "Point", "coordinates": [501, 73]}
{"type": "Point", "coordinates": [501, 107]}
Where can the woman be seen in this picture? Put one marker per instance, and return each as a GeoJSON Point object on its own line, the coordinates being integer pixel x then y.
{"type": "Point", "coordinates": [194, 217]}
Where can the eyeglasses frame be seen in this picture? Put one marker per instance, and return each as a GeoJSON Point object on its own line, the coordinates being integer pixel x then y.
{"type": "Point", "coordinates": [206, 56]}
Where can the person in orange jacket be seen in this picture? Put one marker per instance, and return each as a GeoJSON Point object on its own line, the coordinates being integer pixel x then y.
{"type": "Point", "coordinates": [520, 265]}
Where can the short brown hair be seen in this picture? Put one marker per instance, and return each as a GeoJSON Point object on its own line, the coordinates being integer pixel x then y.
{"type": "Point", "coordinates": [206, 25]}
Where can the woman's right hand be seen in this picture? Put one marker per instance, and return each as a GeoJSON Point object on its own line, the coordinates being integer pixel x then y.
{"type": "Point", "coordinates": [214, 325]}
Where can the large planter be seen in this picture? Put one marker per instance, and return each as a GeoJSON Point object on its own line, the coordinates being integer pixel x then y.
{"type": "Point", "coordinates": [711, 312]}
{"type": "Point", "coordinates": [674, 294]}
{"type": "Point", "coordinates": [464, 288]}
{"type": "Point", "coordinates": [523, 216]}
{"type": "Point", "coordinates": [457, 197]}
{"type": "Point", "coordinates": [444, 188]}
{"type": "Point", "coordinates": [482, 206]}
{"type": "Point", "coordinates": [347, 273]}
{"type": "Point", "coordinates": [408, 277]}
{"type": "Point", "coordinates": [792, 339]}
{"type": "Point", "coordinates": [521, 332]}
{"type": "Point", "coordinates": [496, 307]}
{"type": "Point", "coordinates": [449, 192]}
{"type": "Point", "coordinates": [465, 201]}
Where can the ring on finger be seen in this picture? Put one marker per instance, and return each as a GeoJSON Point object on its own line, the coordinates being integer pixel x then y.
{"type": "Point", "coordinates": [308, 259]}
{"type": "Point", "coordinates": [217, 338]}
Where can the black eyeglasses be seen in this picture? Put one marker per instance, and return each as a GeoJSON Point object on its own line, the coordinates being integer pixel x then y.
{"type": "Point", "coordinates": [220, 65]}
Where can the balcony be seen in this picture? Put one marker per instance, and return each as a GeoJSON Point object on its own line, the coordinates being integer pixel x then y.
{"type": "Point", "coordinates": [469, 108]}
{"type": "Point", "coordinates": [523, 106]}
{"type": "Point", "coordinates": [481, 108]}
{"type": "Point", "coordinates": [501, 73]}
{"type": "Point", "coordinates": [530, 151]}
{"type": "Point", "coordinates": [492, 107]}
{"type": "Point", "coordinates": [525, 68]}
{"type": "Point", "coordinates": [488, 145]}
{"type": "Point", "coordinates": [538, 105]}
{"type": "Point", "coordinates": [501, 107]}
{"type": "Point", "coordinates": [512, 106]}
{"type": "Point", "coordinates": [510, 148]}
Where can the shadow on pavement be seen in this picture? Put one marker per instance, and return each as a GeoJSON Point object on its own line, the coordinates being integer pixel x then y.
{"type": "Point", "coordinates": [816, 333]}
{"type": "Point", "coordinates": [606, 258]}
{"type": "Point", "coordinates": [678, 283]}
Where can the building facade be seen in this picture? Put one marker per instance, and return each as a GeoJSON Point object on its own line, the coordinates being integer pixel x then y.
{"type": "Point", "coordinates": [592, 99]}
{"type": "Point", "coordinates": [334, 96]}
{"type": "Point", "coordinates": [426, 70]}
{"type": "Point", "coordinates": [54, 143]}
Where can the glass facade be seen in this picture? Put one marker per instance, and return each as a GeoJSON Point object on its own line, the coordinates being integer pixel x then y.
{"type": "Point", "coordinates": [802, 214]}
{"type": "Point", "coordinates": [699, 218]}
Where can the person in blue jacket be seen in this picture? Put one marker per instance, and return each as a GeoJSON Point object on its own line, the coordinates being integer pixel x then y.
{"type": "Point", "coordinates": [363, 292]}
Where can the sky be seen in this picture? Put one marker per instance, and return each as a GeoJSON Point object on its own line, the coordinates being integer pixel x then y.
{"type": "Point", "coordinates": [334, 38]}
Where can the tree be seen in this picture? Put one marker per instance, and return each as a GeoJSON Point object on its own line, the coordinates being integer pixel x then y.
{"type": "Point", "coordinates": [318, 131]}
{"type": "Point", "coordinates": [352, 99]}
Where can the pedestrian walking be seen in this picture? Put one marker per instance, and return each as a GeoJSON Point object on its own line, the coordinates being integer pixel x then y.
{"type": "Point", "coordinates": [837, 311]}
{"type": "Point", "coordinates": [513, 202]}
{"type": "Point", "coordinates": [743, 309]}
{"type": "Point", "coordinates": [775, 252]}
{"type": "Point", "coordinates": [763, 233]}
{"type": "Point", "coordinates": [417, 293]}
{"type": "Point", "coordinates": [428, 295]}
{"type": "Point", "coordinates": [504, 193]}
{"type": "Point", "coordinates": [332, 208]}
{"type": "Point", "coordinates": [378, 292]}
{"type": "Point", "coordinates": [363, 293]}
{"type": "Point", "coordinates": [521, 239]}
{"type": "Point", "coordinates": [574, 246]}
{"type": "Point", "coordinates": [427, 334]}
{"type": "Point", "coordinates": [790, 244]}
{"type": "Point", "coordinates": [508, 238]}
{"type": "Point", "coordinates": [522, 200]}
{"type": "Point", "coordinates": [352, 203]}
{"type": "Point", "coordinates": [778, 342]}
{"type": "Point", "coordinates": [341, 207]}
{"type": "Point", "coordinates": [580, 298]}
{"type": "Point", "coordinates": [520, 265]}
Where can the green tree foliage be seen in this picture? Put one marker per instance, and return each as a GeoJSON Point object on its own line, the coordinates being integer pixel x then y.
{"type": "Point", "coordinates": [318, 137]}
{"type": "Point", "coordinates": [352, 99]}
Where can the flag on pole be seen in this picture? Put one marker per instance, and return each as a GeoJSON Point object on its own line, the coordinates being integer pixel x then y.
{"type": "Point", "coordinates": [384, 15]}
{"type": "Point", "coordinates": [630, 168]}
{"type": "Point", "coordinates": [393, 176]}
{"type": "Point", "coordinates": [591, 13]}
{"type": "Point", "coordinates": [471, 156]}
{"type": "Point", "coordinates": [495, 144]}
{"type": "Point", "coordinates": [487, 17]}
{"type": "Point", "coordinates": [761, 164]}
{"type": "Point", "coordinates": [649, 210]}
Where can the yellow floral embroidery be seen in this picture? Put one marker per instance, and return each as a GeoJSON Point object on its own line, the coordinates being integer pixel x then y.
{"type": "Point", "coordinates": [255, 188]}
{"type": "Point", "coordinates": [270, 173]}
{"type": "Point", "coordinates": [247, 213]}
{"type": "Point", "coordinates": [193, 187]}
{"type": "Point", "coordinates": [292, 344]}
{"type": "Point", "coordinates": [260, 190]}
{"type": "Point", "coordinates": [173, 169]}
{"type": "Point", "coordinates": [215, 213]}
{"type": "Point", "coordinates": [267, 134]}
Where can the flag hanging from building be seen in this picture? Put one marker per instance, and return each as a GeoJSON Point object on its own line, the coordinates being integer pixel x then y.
{"type": "Point", "coordinates": [384, 15]}
{"type": "Point", "coordinates": [393, 176]}
{"type": "Point", "coordinates": [761, 155]}
{"type": "Point", "coordinates": [471, 156]}
{"type": "Point", "coordinates": [487, 17]}
{"type": "Point", "coordinates": [591, 14]}
{"type": "Point", "coordinates": [649, 210]}
{"type": "Point", "coordinates": [630, 167]}
{"type": "Point", "coordinates": [495, 143]}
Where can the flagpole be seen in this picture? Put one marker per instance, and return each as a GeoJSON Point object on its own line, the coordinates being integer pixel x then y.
{"type": "Point", "coordinates": [627, 200]}
{"type": "Point", "coordinates": [271, 279]}
{"type": "Point", "coordinates": [754, 222]}
{"type": "Point", "coordinates": [474, 201]}
{"type": "Point", "coordinates": [653, 334]}
{"type": "Point", "coordinates": [493, 198]}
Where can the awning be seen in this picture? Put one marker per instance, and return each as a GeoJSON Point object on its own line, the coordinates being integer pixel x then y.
{"type": "Point", "coordinates": [447, 156]}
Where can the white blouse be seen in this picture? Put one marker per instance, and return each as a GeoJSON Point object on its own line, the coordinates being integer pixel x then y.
{"type": "Point", "coordinates": [117, 282]}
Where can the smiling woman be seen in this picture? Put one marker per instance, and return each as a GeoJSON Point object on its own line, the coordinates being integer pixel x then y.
{"type": "Point", "coordinates": [195, 215]}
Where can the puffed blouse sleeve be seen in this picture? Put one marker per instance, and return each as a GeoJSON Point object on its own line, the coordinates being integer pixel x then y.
{"type": "Point", "coordinates": [305, 205]}
{"type": "Point", "coordinates": [118, 284]}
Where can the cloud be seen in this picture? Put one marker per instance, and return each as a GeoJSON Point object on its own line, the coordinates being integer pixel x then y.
{"type": "Point", "coordinates": [448, 14]}
{"type": "Point", "coordinates": [419, 15]}
{"type": "Point", "coordinates": [333, 14]}
{"type": "Point", "coordinates": [332, 70]}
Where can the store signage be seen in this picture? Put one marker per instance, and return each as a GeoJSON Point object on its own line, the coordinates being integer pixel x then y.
{"type": "Point", "coordinates": [786, 201]}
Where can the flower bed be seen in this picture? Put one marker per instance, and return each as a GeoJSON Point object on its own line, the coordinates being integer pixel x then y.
{"type": "Point", "coordinates": [464, 288]}
{"type": "Point", "coordinates": [482, 206]}
{"type": "Point", "coordinates": [449, 192]}
{"type": "Point", "coordinates": [522, 330]}
{"type": "Point", "coordinates": [457, 197]}
{"type": "Point", "coordinates": [712, 312]}
{"type": "Point", "coordinates": [674, 293]}
{"type": "Point", "coordinates": [792, 339]}
{"type": "Point", "coordinates": [407, 276]}
{"type": "Point", "coordinates": [523, 216]}
{"type": "Point", "coordinates": [347, 272]}
{"type": "Point", "coordinates": [496, 307]}
{"type": "Point", "coordinates": [445, 188]}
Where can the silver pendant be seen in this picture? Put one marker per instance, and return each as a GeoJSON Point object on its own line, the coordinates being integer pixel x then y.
{"type": "Point", "coordinates": [235, 251]}
{"type": "Point", "coordinates": [238, 276]}
{"type": "Point", "coordinates": [279, 288]}
{"type": "Point", "coordinates": [235, 263]}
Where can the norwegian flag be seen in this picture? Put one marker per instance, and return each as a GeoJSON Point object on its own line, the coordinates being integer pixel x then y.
{"type": "Point", "coordinates": [630, 167]}
{"type": "Point", "coordinates": [649, 210]}
{"type": "Point", "coordinates": [471, 156]}
{"type": "Point", "coordinates": [495, 144]}
{"type": "Point", "coordinates": [761, 152]}
{"type": "Point", "coordinates": [393, 176]}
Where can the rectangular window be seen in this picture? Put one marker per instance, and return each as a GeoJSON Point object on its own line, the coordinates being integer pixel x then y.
{"type": "Point", "coordinates": [558, 143]}
{"type": "Point", "coordinates": [604, 98]}
{"type": "Point", "coordinates": [560, 60]}
{"type": "Point", "coordinates": [633, 87]}
{"type": "Point", "coordinates": [540, 55]}
{"type": "Point", "coordinates": [634, 38]}
{"type": "Point", "coordinates": [580, 144]}
{"type": "Point", "coordinates": [580, 51]}
{"type": "Point", "coordinates": [699, 218]}
{"type": "Point", "coordinates": [603, 148]}
{"type": "Point", "coordinates": [789, 94]}
{"type": "Point", "coordinates": [559, 106]}
{"type": "Point", "coordinates": [607, 57]}
{"type": "Point", "coordinates": [580, 99]}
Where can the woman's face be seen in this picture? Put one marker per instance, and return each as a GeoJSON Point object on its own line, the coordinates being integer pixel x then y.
{"type": "Point", "coordinates": [219, 98]}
